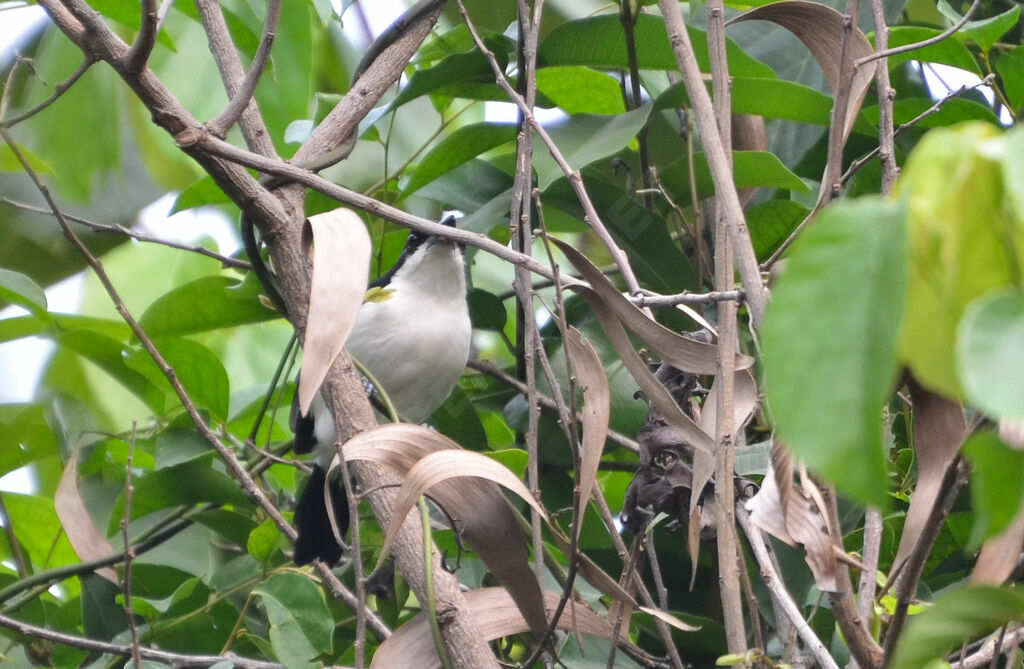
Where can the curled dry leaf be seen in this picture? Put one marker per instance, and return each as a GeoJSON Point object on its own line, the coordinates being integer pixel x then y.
{"type": "Point", "coordinates": [473, 502]}
{"type": "Point", "coordinates": [595, 413]}
{"type": "Point", "coordinates": [821, 29]}
{"type": "Point", "coordinates": [683, 353]}
{"type": "Point", "coordinates": [88, 542]}
{"type": "Point", "coordinates": [939, 430]}
{"type": "Point", "coordinates": [445, 465]}
{"type": "Point", "coordinates": [495, 615]}
{"type": "Point", "coordinates": [341, 262]}
{"type": "Point", "coordinates": [781, 509]}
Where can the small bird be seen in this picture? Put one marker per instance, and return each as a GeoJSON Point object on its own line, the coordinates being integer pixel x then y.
{"type": "Point", "coordinates": [413, 335]}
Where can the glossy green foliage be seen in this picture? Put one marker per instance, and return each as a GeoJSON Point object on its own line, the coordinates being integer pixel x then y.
{"type": "Point", "coordinates": [930, 280]}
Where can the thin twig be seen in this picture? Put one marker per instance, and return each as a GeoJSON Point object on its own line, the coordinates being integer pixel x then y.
{"type": "Point", "coordinates": [58, 90]}
{"type": "Point", "coordinates": [886, 97]}
{"type": "Point", "coordinates": [241, 97]}
{"type": "Point", "coordinates": [885, 53]}
{"type": "Point", "coordinates": [857, 164]}
{"type": "Point", "coordinates": [114, 228]}
{"type": "Point", "coordinates": [167, 657]}
{"type": "Point", "coordinates": [232, 74]}
{"type": "Point", "coordinates": [725, 437]}
{"type": "Point", "coordinates": [138, 54]}
{"type": "Point", "coordinates": [129, 556]}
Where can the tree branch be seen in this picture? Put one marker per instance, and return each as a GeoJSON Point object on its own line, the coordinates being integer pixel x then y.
{"type": "Point", "coordinates": [241, 93]}
{"type": "Point", "coordinates": [167, 657]}
{"type": "Point", "coordinates": [141, 49]}
{"type": "Point", "coordinates": [725, 190]}
{"type": "Point", "coordinates": [885, 53]}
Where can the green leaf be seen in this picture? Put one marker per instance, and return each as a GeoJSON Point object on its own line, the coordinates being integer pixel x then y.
{"type": "Point", "coordinates": [990, 353]}
{"type": "Point", "coordinates": [581, 90]}
{"type": "Point", "coordinates": [772, 98]}
{"type": "Point", "coordinates": [108, 355]}
{"type": "Point", "coordinates": [486, 310]}
{"type": "Point", "coordinates": [1013, 166]}
{"type": "Point", "coordinates": [38, 530]}
{"type": "Point", "coordinates": [599, 42]}
{"type": "Point", "coordinates": [947, 52]}
{"type": "Point", "coordinates": [997, 484]}
{"type": "Point", "coordinates": [1010, 66]}
{"type": "Point", "coordinates": [585, 138]}
{"type": "Point", "coordinates": [10, 163]}
{"type": "Point", "coordinates": [27, 435]}
{"type": "Point", "coordinates": [205, 304]}
{"type": "Point", "coordinates": [515, 459]}
{"type": "Point", "coordinates": [300, 623]}
{"type": "Point", "coordinates": [750, 169]}
{"type": "Point", "coordinates": [771, 222]}
{"type": "Point", "coordinates": [17, 288]}
{"type": "Point", "coordinates": [176, 446]}
{"type": "Point", "coordinates": [956, 616]}
{"type": "Point", "coordinates": [263, 540]}
{"type": "Point", "coordinates": [959, 229]}
{"type": "Point", "coordinates": [190, 483]}
{"type": "Point", "coordinates": [456, 149]}
{"type": "Point", "coordinates": [459, 70]}
{"type": "Point", "coordinates": [197, 367]}
{"type": "Point", "coordinates": [200, 193]}
{"type": "Point", "coordinates": [829, 340]}
{"type": "Point", "coordinates": [102, 617]}
{"type": "Point", "coordinates": [985, 32]}
{"type": "Point", "coordinates": [642, 234]}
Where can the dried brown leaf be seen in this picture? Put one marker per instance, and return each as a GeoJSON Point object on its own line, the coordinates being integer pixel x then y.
{"type": "Point", "coordinates": [595, 413]}
{"type": "Point", "coordinates": [341, 262]}
{"type": "Point", "coordinates": [998, 556]}
{"type": "Point", "coordinates": [939, 429]}
{"type": "Point", "coordinates": [593, 574]}
{"type": "Point", "coordinates": [669, 618]}
{"type": "Point", "coordinates": [782, 510]}
{"type": "Point", "coordinates": [820, 28]}
{"type": "Point", "coordinates": [656, 393]}
{"type": "Point", "coordinates": [496, 616]}
{"type": "Point", "coordinates": [475, 505]}
{"type": "Point", "coordinates": [85, 538]}
{"type": "Point", "coordinates": [681, 352]}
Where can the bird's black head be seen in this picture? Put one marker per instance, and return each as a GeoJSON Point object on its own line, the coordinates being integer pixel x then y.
{"type": "Point", "coordinates": [412, 243]}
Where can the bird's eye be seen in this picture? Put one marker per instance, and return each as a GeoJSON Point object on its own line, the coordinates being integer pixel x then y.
{"type": "Point", "coordinates": [664, 459]}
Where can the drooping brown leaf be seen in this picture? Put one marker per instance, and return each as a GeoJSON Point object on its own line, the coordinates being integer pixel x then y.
{"type": "Point", "coordinates": [998, 556]}
{"type": "Point", "coordinates": [820, 28]}
{"type": "Point", "coordinates": [595, 413]}
{"type": "Point", "coordinates": [496, 616]}
{"type": "Point", "coordinates": [476, 506]}
{"type": "Point", "coordinates": [83, 535]}
{"type": "Point", "coordinates": [445, 465]}
{"type": "Point", "coordinates": [782, 510]}
{"type": "Point", "coordinates": [686, 354]}
{"type": "Point", "coordinates": [939, 429]}
{"type": "Point", "coordinates": [341, 262]}
{"type": "Point", "coordinates": [656, 393]}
